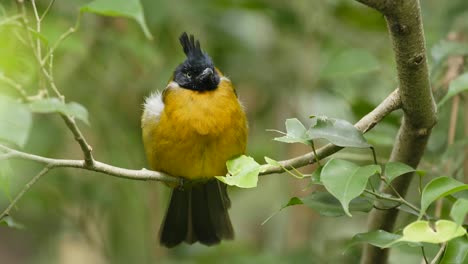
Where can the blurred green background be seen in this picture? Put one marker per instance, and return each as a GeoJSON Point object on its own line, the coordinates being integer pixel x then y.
{"type": "Point", "coordinates": [281, 55]}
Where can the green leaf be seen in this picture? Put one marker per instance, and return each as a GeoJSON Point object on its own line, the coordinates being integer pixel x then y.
{"type": "Point", "coordinates": [52, 105]}
{"type": "Point", "coordinates": [272, 162]}
{"type": "Point", "coordinates": [120, 8]}
{"type": "Point", "coordinates": [346, 180]}
{"type": "Point", "coordinates": [327, 205]}
{"type": "Point", "coordinates": [10, 222]}
{"type": "Point", "coordinates": [291, 202]}
{"type": "Point", "coordinates": [459, 210]}
{"type": "Point", "coordinates": [15, 121]}
{"type": "Point", "coordinates": [438, 188]}
{"type": "Point", "coordinates": [315, 177]}
{"type": "Point", "coordinates": [378, 238]}
{"type": "Point", "coordinates": [381, 239]}
{"type": "Point", "coordinates": [295, 132]}
{"type": "Point", "coordinates": [242, 172]}
{"type": "Point", "coordinates": [421, 231]}
{"type": "Point", "coordinates": [338, 132]}
{"type": "Point", "coordinates": [349, 63]}
{"type": "Point", "coordinates": [457, 86]}
{"type": "Point", "coordinates": [456, 251]}
{"type": "Point", "coordinates": [395, 169]}
{"type": "Point", "coordinates": [77, 110]}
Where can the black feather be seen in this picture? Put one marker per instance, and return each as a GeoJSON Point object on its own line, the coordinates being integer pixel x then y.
{"type": "Point", "coordinates": [218, 204]}
{"type": "Point", "coordinates": [174, 227]}
{"type": "Point", "coordinates": [191, 47]}
{"type": "Point", "coordinates": [197, 214]}
{"type": "Point", "coordinates": [202, 224]}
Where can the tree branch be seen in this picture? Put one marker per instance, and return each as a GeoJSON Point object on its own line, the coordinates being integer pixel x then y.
{"type": "Point", "coordinates": [142, 175]}
{"type": "Point", "coordinates": [390, 104]}
{"type": "Point", "coordinates": [405, 27]}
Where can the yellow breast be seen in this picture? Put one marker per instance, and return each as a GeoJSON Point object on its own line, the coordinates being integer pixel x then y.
{"type": "Point", "coordinates": [196, 132]}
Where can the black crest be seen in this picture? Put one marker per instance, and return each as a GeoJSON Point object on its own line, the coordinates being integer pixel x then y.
{"type": "Point", "coordinates": [197, 72]}
{"type": "Point", "coordinates": [191, 47]}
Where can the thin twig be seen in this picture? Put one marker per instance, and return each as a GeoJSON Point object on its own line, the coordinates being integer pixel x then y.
{"type": "Point", "coordinates": [48, 74]}
{"type": "Point", "coordinates": [85, 147]}
{"type": "Point", "coordinates": [394, 199]}
{"type": "Point", "coordinates": [62, 37]}
{"type": "Point", "coordinates": [38, 27]}
{"type": "Point", "coordinates": [51, 3]}
{"type": "Point", "coordinates": [28, 185]}
{"type": "Point", "coordinates": [18, 87]}
{"type": "Point", "coordinates": [423, 251]}
{"type": "Point", "coordinates": [439, 254]}
{"type": "Point", "coordinates": [317, 158]}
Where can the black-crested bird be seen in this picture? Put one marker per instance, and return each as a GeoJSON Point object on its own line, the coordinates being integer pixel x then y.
{"type": "Point", "coordinates": [190, 130]}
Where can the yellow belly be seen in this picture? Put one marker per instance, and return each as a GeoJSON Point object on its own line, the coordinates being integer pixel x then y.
{"type": "Point", "coordinates": [197, 132]}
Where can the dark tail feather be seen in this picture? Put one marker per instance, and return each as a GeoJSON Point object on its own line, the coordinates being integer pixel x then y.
{"type": "Point", "coordinates": [205, 218]}
{"type": "Point", "coordinates": [174, 227]}
{"type": "Point", "coordinates": [218, 204]}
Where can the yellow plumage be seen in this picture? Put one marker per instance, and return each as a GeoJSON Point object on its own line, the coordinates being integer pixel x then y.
{"type": "Point", "coordinates": [190, 131]}
{"type": "Point", "coordinates": [196, 132]}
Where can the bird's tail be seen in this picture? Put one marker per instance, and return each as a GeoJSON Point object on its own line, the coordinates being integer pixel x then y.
{"type": "Point", "coordinates": [199, 213]}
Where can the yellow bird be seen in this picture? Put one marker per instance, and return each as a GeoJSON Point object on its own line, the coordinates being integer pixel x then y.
{"type": "Point", "coordinates": [190, 130]}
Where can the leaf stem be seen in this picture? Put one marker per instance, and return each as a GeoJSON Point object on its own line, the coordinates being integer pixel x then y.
{"type": "Point", "coordinates": [317, 159]}
{"type": "Point", "coordinates": [439, 253]}
{"type": "Point", "coordinates": [394, 199]}
{"type": "Point", "coordinates": [426, 261]}
{"type": "Point", "coordinates": [374, 154]}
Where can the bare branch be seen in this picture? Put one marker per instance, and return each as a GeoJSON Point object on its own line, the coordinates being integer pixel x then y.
{"type": "Point", "coordinates": [142, 175]}
{"type": "Point", "coordinates": [85, 147]}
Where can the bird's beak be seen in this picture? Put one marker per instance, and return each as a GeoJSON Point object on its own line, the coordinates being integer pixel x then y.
{"type": "Point", "coordinates": [205, 74]}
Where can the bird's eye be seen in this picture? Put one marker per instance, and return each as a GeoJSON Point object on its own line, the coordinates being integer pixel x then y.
{"type": "Point", "coordinates": [188, 75]}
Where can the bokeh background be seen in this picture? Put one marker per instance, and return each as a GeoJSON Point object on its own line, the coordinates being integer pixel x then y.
{"type": "Point", "coordinates": [278, 54]}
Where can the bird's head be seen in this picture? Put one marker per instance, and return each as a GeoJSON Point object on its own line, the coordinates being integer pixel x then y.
{"type": "Point", "coordinates": [197, 72]}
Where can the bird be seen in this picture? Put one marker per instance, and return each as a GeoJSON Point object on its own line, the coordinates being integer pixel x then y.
{"type": "Point", "coordinates": [190, 130]}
